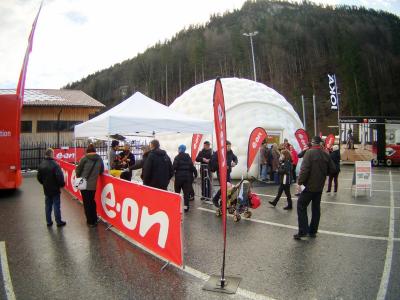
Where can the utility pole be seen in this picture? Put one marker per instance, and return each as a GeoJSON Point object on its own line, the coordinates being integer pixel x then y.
{"type": "Point", "coordinates": [315, 115]}
{"type": "Point", "coordinates": [304, 112]}
{"type": "Point", "coordinates": [251, 34]}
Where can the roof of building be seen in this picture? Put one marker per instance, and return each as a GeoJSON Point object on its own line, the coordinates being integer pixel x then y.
{"type": "Point", "coordinates": [50, 97]}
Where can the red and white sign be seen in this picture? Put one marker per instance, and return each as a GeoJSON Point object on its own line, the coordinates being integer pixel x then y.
{"type": "Point", "coordinates": [257, 136]}
{"type": "Point", "coordinates": [220, 130]}
{"type": "Point", "coordinates": [196, 139]}
{"type": "Point", "coordinates": [329, 141]}
{"type": "Point", "coordinates": [149, 216]}
{"type": "Point", "coordinates": [302, 138]}
{"type": "Point", "coordinates": [68, 154]}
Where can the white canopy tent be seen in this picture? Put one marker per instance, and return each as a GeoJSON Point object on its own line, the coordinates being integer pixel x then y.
{"type": "Point", "coordinates": [140, 115]}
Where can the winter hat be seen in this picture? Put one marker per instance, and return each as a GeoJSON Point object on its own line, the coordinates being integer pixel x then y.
{"type": "Point", "coordinates": [316, 140]}
{"type": "Point", "coordinates": [182, 148]}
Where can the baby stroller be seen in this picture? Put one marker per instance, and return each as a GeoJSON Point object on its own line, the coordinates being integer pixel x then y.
{"type": "Point", "coordinates": [238, 200]}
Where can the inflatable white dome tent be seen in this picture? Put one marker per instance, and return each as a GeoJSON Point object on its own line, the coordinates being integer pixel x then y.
{"type": "Point", "coordinates": [248, 105]}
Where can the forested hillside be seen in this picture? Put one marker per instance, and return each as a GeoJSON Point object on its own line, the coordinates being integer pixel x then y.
{"type": "Point", "coordinates": [296, 46]}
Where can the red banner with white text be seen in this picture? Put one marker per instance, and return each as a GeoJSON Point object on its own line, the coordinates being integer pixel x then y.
{"type": "Point", "coordinates": [196, 139]}
{"type": "Point", "coordinates": [257, 136]}
{"type": "Point", "coordinates": [149, 216]}
{"type": "Point", "coordinates": [302, 138]}
{"type": "Point", "coordinates": [220, 131]}
{"type": "Point", "coordinates": [69, 154]}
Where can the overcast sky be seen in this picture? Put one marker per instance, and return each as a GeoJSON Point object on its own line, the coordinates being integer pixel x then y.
{"type": "Point", "coordinates": [75, 38]}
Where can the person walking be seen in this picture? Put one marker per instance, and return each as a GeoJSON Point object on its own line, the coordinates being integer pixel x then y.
{"type": "Point", "coordinates": [90, 167]}
{"type": "Point", "coordinates": [335, 156]}
{"type": "Point", "coordinates": [184, 173]}
{"type": "Point", "coordinates": [157, 169]}
{"type": "Point", "coordinates": [295, 161]}
{"type": "Point", "coordinates": [52, 178]}
{"type": "Point", "coordinates": [204, 157]}
{"type": "Point", "coordinates": [316, 165]}
{"type": "Point", "coordinates": [285, 179]}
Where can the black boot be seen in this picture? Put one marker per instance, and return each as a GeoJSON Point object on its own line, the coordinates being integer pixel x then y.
{"type": "Point", "coordinates": [273, 203]}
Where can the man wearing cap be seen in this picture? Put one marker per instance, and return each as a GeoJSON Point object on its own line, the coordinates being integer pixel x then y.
{"type": "Point", "coordinates": [113, 157]}
{"type": "Point", "coordinates": [204, 157]}
{"type": "Point", "coordinates": [184, 173]}
{"type": "Point", "coordinates": [52, 178]}
{"type": "Point", "coordinates": [316, 165]}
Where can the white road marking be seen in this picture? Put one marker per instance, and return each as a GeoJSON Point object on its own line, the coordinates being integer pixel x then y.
{"type": "Point", "coordinates": [337, 203]}
{"type": "Point", "coordinates": [389, 252]}
{"type": "Point", "coordinates": [189, 270]}
{"type": "Point", "coordinates": [240, 291]}
{"type": "Point", "coordinates": [8, 287]}
{"type": "Point", "coordinates": [359, 236]}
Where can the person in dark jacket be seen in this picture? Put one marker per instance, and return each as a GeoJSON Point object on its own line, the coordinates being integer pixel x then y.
{"type": "Point", "coordinates": [157, 169]}
{"type": "Point", "coordinates": [335, 155]}
{"type": "Point", "coordinates": [184, 173]}
{"type": "Point", "coordinates": [231, 160]}
{"type": "Point", "coordinates": [285, 179]}
{"type": "Point", "coordinates": [204, 158]}
{"type": "Point", "coordinates": [90, 167]}
{"type": "Point", "coordinates": [316, 165]}
{"type": "Point", "coordinates": [52, 178]}
{"type": "Point", "coordinates": [127, 162]}
{"type": "Point", "coordinates": [113, 156]}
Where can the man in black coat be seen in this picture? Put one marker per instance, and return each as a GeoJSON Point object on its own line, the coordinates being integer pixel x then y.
{"type": "Point", "coordinates": [204, 158]}
{"type": "Point", "coordinates": [231, 160]}
{"type": "Point", "coordinates": [157, 169]}
{"type": "Point", "coordinates": [184, 174]}
{"type": "Point", "coordinates": [316, 165]}
{"type": "Point", "coordinates": [52, 178]}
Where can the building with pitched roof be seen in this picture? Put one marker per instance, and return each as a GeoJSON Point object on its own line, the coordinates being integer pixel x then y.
{"type": "Point", "coordinates": [49, 115]}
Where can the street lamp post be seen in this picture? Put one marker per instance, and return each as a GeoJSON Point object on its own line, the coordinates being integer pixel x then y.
{"type": "Point", "coordinates": [251, 34]}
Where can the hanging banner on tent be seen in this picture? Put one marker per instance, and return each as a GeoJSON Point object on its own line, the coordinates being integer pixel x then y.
{"type": "Point", "coordinates": [329, 141]}
{"type": "Point", "coordinates": [196, 139]}
{"type": "Point", "coordinates": [302, 138]}
{"type": "Point", "coordinates": [220, 131]}
{"type": "Point", "coordinates": [333, 92]}
{"type": "Point", "coordinates": [131, 209]}
{"type": "Point", "coordinates": [257, 136]}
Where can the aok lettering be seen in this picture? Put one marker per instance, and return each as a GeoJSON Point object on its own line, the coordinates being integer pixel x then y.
{"type": "Point", "coordinates": [128, 212]}
{"type": "Point", "coordinates": [332, 88]}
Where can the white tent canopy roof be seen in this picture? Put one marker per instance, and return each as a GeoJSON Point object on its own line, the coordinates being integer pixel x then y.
{"type": "Point", "coordinates": [139, 115]}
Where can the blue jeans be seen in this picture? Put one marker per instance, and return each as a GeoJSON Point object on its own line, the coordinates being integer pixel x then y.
{"type": "Point", "coordinates": [50, 201]}
{"type": "Point", "coordinates": [264, 172]}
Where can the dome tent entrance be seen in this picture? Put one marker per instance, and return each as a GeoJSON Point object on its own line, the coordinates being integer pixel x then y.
{"type": "Point", "coordinates": [140, 115]}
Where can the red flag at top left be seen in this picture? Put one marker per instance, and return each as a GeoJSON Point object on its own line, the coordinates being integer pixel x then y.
{"type": "Point", "coordinates": [24, 69]}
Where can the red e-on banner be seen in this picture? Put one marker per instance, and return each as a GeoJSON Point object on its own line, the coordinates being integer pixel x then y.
{"type": "Point", "coordinates": [196, 139]}
{"type": "Point", "coordinates": [302, 138]}
{"type": "Point", "coordinates": [151, 217]}
{"type": "Point", "coordinates": [257, 136]}
{"type": "Point", "coordinates": [220, 133]}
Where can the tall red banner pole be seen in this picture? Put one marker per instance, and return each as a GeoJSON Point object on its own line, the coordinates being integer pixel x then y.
{"type": "Point", "coordinates": [220, 131]}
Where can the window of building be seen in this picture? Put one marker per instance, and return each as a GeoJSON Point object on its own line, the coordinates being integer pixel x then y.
{"type": "Point", "coordinates": [26, 126]}
{"type": "Point", "coordinates": [55, 126]}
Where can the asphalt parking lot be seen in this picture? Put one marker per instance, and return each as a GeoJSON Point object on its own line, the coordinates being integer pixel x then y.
{"type": "Point", "coordinates": [355, 256]}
